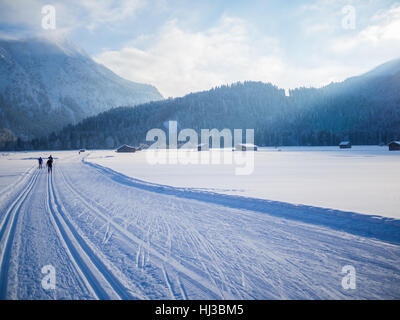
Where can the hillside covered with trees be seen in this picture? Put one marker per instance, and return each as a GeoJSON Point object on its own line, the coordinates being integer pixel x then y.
{"type": "Point", "coordinates": [364, 109]}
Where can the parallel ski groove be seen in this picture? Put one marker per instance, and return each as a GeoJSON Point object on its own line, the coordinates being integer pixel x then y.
{"type": "Point", "coordinates": [103, 283]}
{"type": "Point", "coordinates": [7, 231]}
{"type": "Point", "coordinates": [128, 237]}
{"type": "Point", "coordinates": [22, 178]}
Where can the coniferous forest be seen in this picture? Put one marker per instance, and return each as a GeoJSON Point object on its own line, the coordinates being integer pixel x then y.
{"type": "Point", "coordinates": [364, 110]}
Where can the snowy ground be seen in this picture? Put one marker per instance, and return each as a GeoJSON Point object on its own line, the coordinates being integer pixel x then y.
{"type": "Point", "coordinates": [364, 179]}
{"type": "Point", "coordinates": [113, 236]}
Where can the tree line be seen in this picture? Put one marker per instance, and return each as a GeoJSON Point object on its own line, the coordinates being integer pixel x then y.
{"type": "Point", "coordinates": [362, 110]}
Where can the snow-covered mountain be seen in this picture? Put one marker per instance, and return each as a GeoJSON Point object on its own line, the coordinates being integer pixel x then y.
{"type": "Point", "coordinates": [46, 84]}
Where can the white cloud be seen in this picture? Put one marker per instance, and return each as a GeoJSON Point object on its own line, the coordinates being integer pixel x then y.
{"type": "Point", "coordinates": [106, 11]}
{"type": "Point", "coordinates": [313, 48]}
{"type": "Point", "coordinates": [387, 27]}
{"type": "Point", "coordinates": [73, 14]}
{"type": "Point", "coordinates": [364, 49]}
{"type": "Point", "coordinates": [178, 61]}
{"type": "Point", "coordinates": [383, 33]}
{"type": "Point", "coordinates": [338, 53]}
{"type": "Point", "coordinates": [20, 12]}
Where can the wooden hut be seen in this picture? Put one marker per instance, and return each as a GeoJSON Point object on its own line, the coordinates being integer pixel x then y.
{"type": "Point", "coordinates": [345, 145]}
{"type": "Point", "coordinates": [394, 146]}
{"type": "Point", "coordinates": [125, 148]}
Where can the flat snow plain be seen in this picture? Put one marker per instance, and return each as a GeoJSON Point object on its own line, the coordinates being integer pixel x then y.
{"type": "Point", "coordinates": [364, 179]}
{"type": "Point", "coordinates": [115, 227]}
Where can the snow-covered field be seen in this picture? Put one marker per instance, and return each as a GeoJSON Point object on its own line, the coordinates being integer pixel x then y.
{"type": "Point", "coordinates": [364, 179]}
{"type": "Point", "coordinates": [113, 226]}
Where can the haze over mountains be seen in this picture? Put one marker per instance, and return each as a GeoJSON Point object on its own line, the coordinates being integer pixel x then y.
{"type": "Point", "coordinates": [364, 109]}
{"type": "Point", "coordinates": [46, 84]}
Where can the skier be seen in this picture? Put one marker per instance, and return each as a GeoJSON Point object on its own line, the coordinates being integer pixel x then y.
{"type": "Point", "coordinates": [50, 164]}
{"type": "Point", "coordinates": [40, 162]}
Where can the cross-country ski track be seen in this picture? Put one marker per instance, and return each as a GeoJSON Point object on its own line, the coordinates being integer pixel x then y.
{"type": "Point", "coordinates": [109, 236]}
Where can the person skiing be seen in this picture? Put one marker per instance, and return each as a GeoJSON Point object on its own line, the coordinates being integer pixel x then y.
{"type": "Point", "coordinates": [50, 164]}
{"type": "Point", "coordinates": [40, 162]}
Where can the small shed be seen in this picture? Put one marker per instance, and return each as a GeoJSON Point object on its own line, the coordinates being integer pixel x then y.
{"type": "Point", "coordinates": [82, 150]}
{"type": "Point", "coordinates": [345, 145]}
{"type": "Point", "coordinates": [126, 148]}
{"type": "Point", "coordinates": [245, 147]}
{"type": "Point", "coordinates": [203, 147]}
{"type": "Point", "coordinates": [394, 146]}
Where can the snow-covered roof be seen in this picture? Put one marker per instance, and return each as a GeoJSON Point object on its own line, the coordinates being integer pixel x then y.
{"type": "Point", "coordinates": [396, 142]}
{"type": "Point", "coordinates": [125, 147]}
{"type": "Point", "coordinates": [344, 142]}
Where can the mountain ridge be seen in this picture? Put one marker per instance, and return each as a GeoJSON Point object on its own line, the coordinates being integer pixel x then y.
{"type": "Point", "coordinates": [46, 85]}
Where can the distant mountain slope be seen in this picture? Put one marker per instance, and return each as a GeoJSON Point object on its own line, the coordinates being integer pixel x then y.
{"type": "Point", "coordinates": [47, 84]}
{"type": "Point", "coordinates": [363, 109]}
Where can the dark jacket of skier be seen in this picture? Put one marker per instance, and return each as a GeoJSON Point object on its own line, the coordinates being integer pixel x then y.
{"type": "Point", "coordinates": [50, 164]}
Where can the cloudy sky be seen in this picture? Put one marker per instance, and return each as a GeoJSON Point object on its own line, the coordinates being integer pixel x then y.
{"type": "Point", "coordinates": [182, 46]}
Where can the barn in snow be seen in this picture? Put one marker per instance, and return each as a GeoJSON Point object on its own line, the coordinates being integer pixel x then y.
{"type": "Point", "coordinates": [245, 147]}
{"type": "Point", "coordinates": [394, 146]}
{"type": "Point", "coordinates": [126, 148]}
{"type": "Point", "coordinates": [345, 145]}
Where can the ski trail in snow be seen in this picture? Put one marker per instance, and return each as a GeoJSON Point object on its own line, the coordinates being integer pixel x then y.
{"type": "Point", "coordinates": [107, 234]}
{"type": "Point", "coordinates": [129, 238]}
{"type": "Point", "coordinates": [145, 245]}
{"type": "Point", "coordinates": [377, 227]}
{"type": "Point", "coordinates": [287, 270]}
{"type": "Point", "coordinates": [7, 230]}
{"type": "Point", "coordinates": [110, 239]}
{"type": "Point", "coordinates": [12, 187]}
{"type": "Point", "coordinates": [168, 283]}
{"type": "Point", "coordinates": [181, 289]}
{"type": "Point", "coordinates": [103, 283]}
